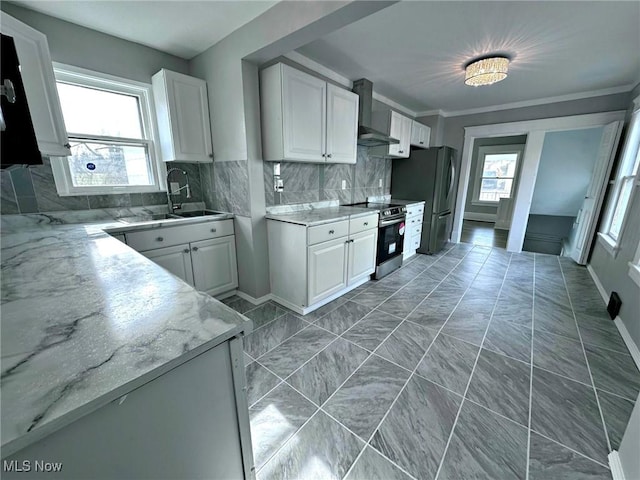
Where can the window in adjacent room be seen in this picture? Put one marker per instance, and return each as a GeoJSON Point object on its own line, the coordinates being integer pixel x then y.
{"type": "Point", "coordinates": [496, 173]}
{"type": "Point", "coordinates": [109, 124]}
{"type": "Point", "coordinates": [634, 267]}
{"type": "Point", "coordinates": [624, 185]}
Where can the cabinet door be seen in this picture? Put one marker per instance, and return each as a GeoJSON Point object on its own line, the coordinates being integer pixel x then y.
{"type": "Point", "coordinates": [405, 138]}
{"type": "Point", "coordinates": [40, 86]}
{"type": "Point", "coordinates": [420, 135]}
{"type": "Point", "coordinates": [176, 260]}
{"type": "Point", "coordinates": [342, 125]}
{"type": "Point", "coordinates": [304, 101]}
{"type": "Point", "coordinates": [327, 269]}
{"type": "Point", "coordinates": [395, 131]}
{"type": "Point", "coordinates": [362, 255]}
{"type": "Point", "coordinates": [183, 114]}
{"type": "Point", "coordinates": [214, 265]}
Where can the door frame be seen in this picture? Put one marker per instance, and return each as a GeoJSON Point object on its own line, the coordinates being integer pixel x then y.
{"type": "Point", "coordinates": [535, 131]}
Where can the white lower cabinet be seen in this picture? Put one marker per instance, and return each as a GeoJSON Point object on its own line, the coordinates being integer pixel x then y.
{"type": "Point", "coordinates": [202, 254]}
{"type": "Point", "coordinates": [311, 265]}
{"type": "Point", "coordinates": [362, 255]}
{"type": "Point", "coordinates": [327, 269]}
{"type": "Point", "coordinates": [175, 259]}
{"type": "Point", "coordinates": [214, 265]}
{"type": "Point", "coordinates": [413, 235]}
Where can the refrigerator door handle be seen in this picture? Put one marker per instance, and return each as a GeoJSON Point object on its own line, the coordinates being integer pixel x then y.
{"type": "Point", "coordinates": [444, 215]}
{"type": "Point", "coordinates": [453, 176]}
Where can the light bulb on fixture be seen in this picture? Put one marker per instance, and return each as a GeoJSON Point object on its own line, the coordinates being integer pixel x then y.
{"type": "Point", "coordinates": [486, 71]}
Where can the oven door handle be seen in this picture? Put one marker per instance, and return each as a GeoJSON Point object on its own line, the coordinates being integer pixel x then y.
{"type": "Point", "coordinates": [391, 222]}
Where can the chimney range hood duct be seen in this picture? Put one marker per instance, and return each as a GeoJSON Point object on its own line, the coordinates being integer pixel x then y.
{"type": "Point", "coordinates": [367, 136]}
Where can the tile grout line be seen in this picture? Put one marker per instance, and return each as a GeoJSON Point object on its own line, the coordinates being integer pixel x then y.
{"type": "Point", "coordinates": [466, 390]}
{"type": "Point", "coordinates": [428, 349]}
{"type": "Point", "coordinates": [340, 386]}
{"type": "Point", "coordinates": [533, 314]}
{"type": "Point", "coordinates": [569, 448]}
{"type": "Point", "coordinates": [408, 378]}
{"type": "Point", "coordinates": [586, 359]}
{"type": "Point", "coordinates": [331, 396]}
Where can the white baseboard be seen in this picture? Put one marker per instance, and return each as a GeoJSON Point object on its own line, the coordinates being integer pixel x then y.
{"type": "Point", "coordinates": [631, 345]}
{"type": "Point", "coordinates": [255, 301]}
{"type": "Point", "coordinates": [616, 466]}
{"type": "Point", "coordinates": [596, 280]}
{"type": "Point", "coordinates": [624, 333]}
{"type": "Point", "coordinates": [480, 217]}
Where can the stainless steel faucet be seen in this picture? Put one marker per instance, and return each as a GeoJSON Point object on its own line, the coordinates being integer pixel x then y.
{"type": "Point", "coordinates": [177, 206]}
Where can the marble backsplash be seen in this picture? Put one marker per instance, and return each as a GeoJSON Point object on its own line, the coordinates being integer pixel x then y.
{"type": "Point", "coordinates": [308, 182]}
{"type": "Point", "coordinates": [33, 190]}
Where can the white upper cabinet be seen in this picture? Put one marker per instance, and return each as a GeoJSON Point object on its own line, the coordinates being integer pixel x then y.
{"type": "Point", "coordinates": [305, 119]}
{"type": "Point", "coordinates": [40, 86]}
{"type": "Point", "coordinates": [304, 101]}
{"type": "Point", "coordinates": [342, 125]}
{"type": "Point", "coordinates": [182, 109]}
{"type": "Point", "coordinates": [420, 135]}
{"type": "Point", "coordinates": [398, 126]}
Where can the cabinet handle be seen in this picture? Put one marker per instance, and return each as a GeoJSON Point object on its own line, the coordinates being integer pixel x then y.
{"type": "Point", "coordinates": [421, 143]}
{"type": "Point", "coordinates": [211, 155]}
{"type": "Point", "coordinates": [159, 239]}
{"type": "Point", "coordinates": [324, 155]}
{"type": "Point", "coordinates": [400, 151]}
{"type": "Point", "coordinates": [214, 230]}
{"type": "Point", "coordinates": [329, 155]}
{"type": "Point", "coordinates": [67, 145]}
{"type": "Point", "coordinates": [186, 250]}
{"type": "Point", "coordinates": [351, 241]}
{"type": "Point", "coordinates": [366, 223]}
{"type": "Point", "coordinates": [331, 232]}
{"type": "Point", "coordinates": [195, 249]}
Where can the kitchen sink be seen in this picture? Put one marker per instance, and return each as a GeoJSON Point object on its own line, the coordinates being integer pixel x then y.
{"type": "Point", "coordinates": [197, 213]}
{"type": "Point", "coordinates": [150, 218]}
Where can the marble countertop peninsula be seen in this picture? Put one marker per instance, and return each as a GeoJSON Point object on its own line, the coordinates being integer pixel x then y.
{"type": "Point", "coordinates": [86, 319]}
{"type": "Point", "coordinates": [316, 213]}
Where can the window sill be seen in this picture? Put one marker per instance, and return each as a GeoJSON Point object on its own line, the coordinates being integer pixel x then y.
{"type": "Point", "coordinates": [609, 244]}
{"type": "Point", "coordinates": [634, 273]}
{"type": "Point", "coordinates": [480, 203]}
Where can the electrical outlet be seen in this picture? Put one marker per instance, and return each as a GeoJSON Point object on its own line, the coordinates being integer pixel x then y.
{"type": "Point", "coordinates": [344, 184]}
{"type": "Point", "coordinates": [380, 183]}
{"type": "Point", "coordinates": [175, 186]}
{"type": "Point", "coordinates": [276, 169]}
{"type": "Point", "coordinates": [278, 184]}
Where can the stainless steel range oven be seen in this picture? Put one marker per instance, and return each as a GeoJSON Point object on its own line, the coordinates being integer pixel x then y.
{"type": "Point", "coordinates": [391, 229]}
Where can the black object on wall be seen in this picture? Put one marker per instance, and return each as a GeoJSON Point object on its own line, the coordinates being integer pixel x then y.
{"type": "Point", "coordinates": [18, 144]}
{"type": "Point", "coordinates": [614, 305]}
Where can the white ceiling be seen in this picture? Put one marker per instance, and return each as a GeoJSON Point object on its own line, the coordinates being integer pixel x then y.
{"type": "Point", "coordinates": [414, 51]}
{"type": "Point", "coordinates": [182, 28]}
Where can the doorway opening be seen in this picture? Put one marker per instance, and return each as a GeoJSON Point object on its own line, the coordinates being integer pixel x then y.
{"type": "Point", "coordinates": [494, 172]}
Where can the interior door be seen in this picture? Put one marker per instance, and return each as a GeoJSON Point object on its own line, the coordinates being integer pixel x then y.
{"type": "Point", "coordinates": [585, 225]}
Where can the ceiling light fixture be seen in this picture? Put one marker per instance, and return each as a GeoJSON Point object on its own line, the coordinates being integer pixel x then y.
{"type": "Point", "coordinates": [486, 71]}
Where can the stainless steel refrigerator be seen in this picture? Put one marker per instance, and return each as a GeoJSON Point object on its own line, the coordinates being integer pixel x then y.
{"type": "Point", "coordinates": [430, 175]}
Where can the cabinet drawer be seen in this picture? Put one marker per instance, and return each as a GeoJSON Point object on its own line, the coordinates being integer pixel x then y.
{"type": "Point", "coordinates": [415, 230]}
{"type": "Point", "coordinates": [360, 224]}
{"type": "Point", "coordinates": [328, 231]}
{"type": "Point", "coordinates": [413, 221]}
{"type": "Point", "coordinates": [414, 210]}
{"type": "Point", "coordinates": [414, 243]}
{"type": "Point", "coordinates": [169, 236]}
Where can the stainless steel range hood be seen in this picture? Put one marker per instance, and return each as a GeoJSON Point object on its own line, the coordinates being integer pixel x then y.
{"type": "Point", "coordinates": [368, 136]}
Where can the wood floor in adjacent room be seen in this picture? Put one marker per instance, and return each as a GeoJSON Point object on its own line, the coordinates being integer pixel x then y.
{"type": "Point", "coordinates": [483, 233]}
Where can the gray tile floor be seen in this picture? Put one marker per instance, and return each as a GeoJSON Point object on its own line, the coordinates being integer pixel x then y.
{"type": "Point", "coordinates": [473, 363]}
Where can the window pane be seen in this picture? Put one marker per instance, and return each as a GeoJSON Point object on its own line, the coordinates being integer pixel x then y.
{"type": "Point", "coordinates": [89, 111]}
{"type": "Point", "coordinates": [103, 164]}
{"type": "Point", "coordinates": [492, 190]}
{"type": "Point", "coordinates": [621, 207]}
{"type": "Point", "coordinates": [500, 165]}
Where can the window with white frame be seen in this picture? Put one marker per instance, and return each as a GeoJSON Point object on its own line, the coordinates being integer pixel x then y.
{"type": "Point", "coordinates": [624, 184]}
{"type": "Point", "coordinates": [496, 173]}
{"type": "Point", "coordinates": [110, 129]}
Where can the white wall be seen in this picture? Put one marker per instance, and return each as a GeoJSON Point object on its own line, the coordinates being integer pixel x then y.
{"type": "Point", "coordinates": [564, 172]}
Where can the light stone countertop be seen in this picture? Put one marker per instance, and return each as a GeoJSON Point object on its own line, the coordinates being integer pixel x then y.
{"type": "Point", "coordinates": [319, 216]}
{"type": "Point", "coordinates": [86, 319]}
